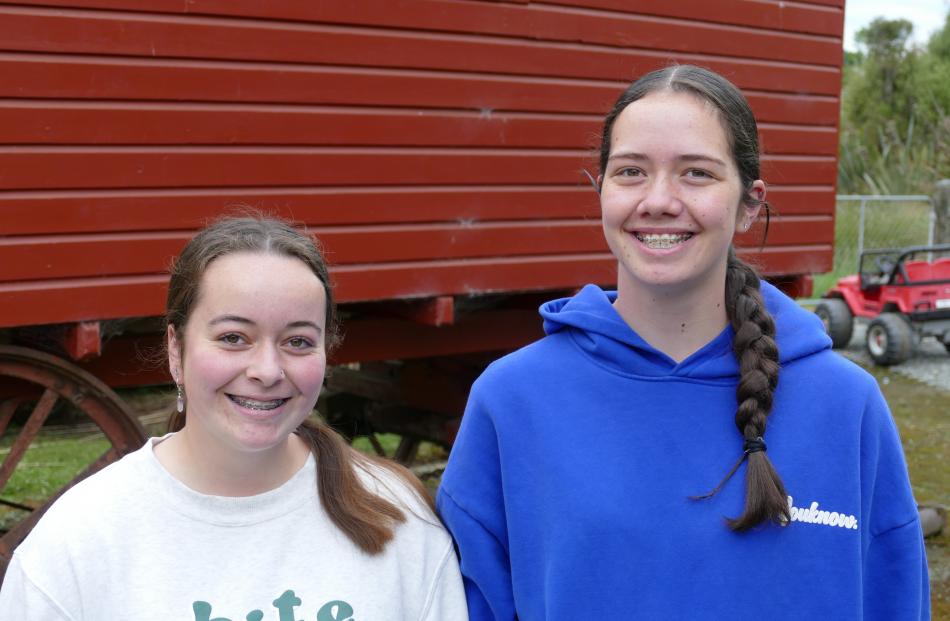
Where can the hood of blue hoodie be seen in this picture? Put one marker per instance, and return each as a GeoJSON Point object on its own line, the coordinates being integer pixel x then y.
{"type": "Point", "coordinates": [601, 333]}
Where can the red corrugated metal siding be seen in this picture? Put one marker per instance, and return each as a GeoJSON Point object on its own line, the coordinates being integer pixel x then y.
{"type": "Point", "coordinates": [435, 146]}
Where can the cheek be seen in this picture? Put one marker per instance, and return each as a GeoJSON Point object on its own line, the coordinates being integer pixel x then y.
{"type": "Point", "coordinates": [717, 216]}
{"type": "Point", "coordinates": [209, 369]}
{"type": "Point", "coordinates": [613, 211]}
{"type": "Point", "coordinates": [308, 373]}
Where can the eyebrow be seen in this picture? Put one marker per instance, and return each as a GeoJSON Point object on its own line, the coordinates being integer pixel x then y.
{"type": "Point", "coordinates": [687, 157]}
{"type": "Point", "coordinates": [303, 323]}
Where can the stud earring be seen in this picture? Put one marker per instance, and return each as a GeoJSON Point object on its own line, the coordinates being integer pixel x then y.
{"type": "Point", "coordinates": [282, 374]}
{"type": "Point", "coordinates": [180, 401]}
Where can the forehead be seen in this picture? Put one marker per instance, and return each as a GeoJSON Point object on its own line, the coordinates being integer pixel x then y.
{"type": "Point", "coordinates": [261, 285]}
{"type": "Point", "coordinates": [671, 121]}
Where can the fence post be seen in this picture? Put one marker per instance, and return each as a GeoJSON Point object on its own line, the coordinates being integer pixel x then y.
{"type": "Point", "coordinates": [941, 204]}
{"type": "Point", "coordinates": [861, 227]}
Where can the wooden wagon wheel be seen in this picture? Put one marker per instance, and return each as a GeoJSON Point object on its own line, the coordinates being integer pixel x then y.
{"type": "Point", "coordinates": [44, 381]}
{"type": "Point", "coordinates": [358, 418]}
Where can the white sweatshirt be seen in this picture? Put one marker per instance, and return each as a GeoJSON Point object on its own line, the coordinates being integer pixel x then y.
{"type": "Point", "coordinates": [132, 542]}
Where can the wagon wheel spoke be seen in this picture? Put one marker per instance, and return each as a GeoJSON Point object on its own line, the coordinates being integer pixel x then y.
{"type": "Point", "coordinates": [404, 452]}
{"type": "Point", "coordinates": [407, 450]}
{"type": "Point", "coordinates": [29, 432]}
{"type": "Point", "coordinates": [374, 442]}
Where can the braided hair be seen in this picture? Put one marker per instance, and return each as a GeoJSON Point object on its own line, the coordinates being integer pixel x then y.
{"type": "Point", "coordinates": [754, 343]}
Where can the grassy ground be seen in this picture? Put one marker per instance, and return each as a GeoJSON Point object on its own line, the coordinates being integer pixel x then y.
{"type": "Point", "coordinates": [46, 467]}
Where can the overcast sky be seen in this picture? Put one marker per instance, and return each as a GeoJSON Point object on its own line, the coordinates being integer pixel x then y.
{"type": "Point", "coordinates": [927, 16]}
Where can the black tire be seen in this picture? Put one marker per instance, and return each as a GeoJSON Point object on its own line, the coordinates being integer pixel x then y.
{"type": "Point", "coordinates": [890, 339]}
{"type": "Point", "coordinates": [838, 320]}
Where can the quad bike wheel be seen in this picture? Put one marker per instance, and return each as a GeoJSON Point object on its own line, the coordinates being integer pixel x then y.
{"type": "Point", "coordinates": [837, 319]}
{"type": "Point", "coordinates": [890, 339]}
{"type": "Point", "coordinates": [43, 385]}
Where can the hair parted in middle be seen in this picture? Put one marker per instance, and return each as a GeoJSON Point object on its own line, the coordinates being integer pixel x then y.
{"type": "Point", "coordinates": [365, 517]}
{"type": "Point", "coordinates": [754, 343]}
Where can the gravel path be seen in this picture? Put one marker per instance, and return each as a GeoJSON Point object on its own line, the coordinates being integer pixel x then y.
{"type": "Point", "coordinates": [930, 365]}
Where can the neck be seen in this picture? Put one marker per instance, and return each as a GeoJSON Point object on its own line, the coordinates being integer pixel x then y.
{"type": "Point", "coordinates": [676, 322]}
{"type": "Point", "coordinates": [216, 471]}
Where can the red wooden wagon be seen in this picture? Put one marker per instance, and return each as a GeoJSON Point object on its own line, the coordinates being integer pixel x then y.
{"type": "Point", "coordinates": [436, 147]}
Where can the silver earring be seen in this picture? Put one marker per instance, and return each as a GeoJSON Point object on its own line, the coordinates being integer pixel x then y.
{"type": "Point", "coordinates": [282, 374]}
{"type": "Point", "coordinates": [180, 402]}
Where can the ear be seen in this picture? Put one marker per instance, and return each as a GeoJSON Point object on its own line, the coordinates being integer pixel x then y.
{"type": "Point", "coordinates": [174, 354]}
{"type": "Point", "coordinates": [749, 210]}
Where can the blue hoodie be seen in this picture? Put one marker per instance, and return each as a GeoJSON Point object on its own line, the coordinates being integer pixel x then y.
{"type": "Point", "coordinates": [568, 487]}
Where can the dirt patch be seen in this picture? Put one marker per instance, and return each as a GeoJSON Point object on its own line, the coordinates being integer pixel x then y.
{"type": "Point", "coordinates": [921, 413]}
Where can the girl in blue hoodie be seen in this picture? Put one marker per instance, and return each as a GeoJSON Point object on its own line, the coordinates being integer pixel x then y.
{"type": "Point", "coordinates": [592, 477]}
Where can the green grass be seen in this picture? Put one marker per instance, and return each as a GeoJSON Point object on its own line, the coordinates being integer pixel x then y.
{"type": "Point", "coordinates": [428, 452]}
{"type": "Point", "coordinates": [49, 464]}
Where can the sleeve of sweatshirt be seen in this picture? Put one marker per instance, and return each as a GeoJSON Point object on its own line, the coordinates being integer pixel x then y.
{"type": "Point", "coordinates": [471, 503]}
{"type": "Point", "coordinates": [446, 599]}
{"type": "Point", "coordinates": [896, 585]}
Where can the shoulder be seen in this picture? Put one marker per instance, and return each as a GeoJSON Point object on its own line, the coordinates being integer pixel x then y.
{"type": "Point", "coordinates": [106, 490]}
{"type": "Point", "coordinates": [93, 509]}
{"type": "Point", "coordinates": [828, 373]}
{"type": "Point", "coordinates": [393, 483]}
{"type": "Point", "coordinates": [544, 359]}
{"type": "Point", "coordinates": [421, 537]}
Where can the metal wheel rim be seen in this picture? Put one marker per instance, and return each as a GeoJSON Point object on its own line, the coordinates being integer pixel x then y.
{"type": "Point", "coordinates": [877, 340]}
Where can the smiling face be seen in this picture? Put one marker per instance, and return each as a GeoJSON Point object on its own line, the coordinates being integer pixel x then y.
{"type": "Point", "coordinates": [252, 359]}
{"type": "Point", "coordinates": [671, 196]}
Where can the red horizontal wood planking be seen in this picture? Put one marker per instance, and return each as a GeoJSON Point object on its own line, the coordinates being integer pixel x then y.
{"type": "Point", "coordinates": [435, 147]}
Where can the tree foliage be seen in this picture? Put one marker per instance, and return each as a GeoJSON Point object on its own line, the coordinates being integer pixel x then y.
{"type": "Point", "coordinates": [895, 129]}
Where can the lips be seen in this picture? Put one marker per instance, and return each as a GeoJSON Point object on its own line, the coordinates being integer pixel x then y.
{"type": "Point", "coordinates": [257, 404]}
{"type": "Point", "coordinates": [662, 241]}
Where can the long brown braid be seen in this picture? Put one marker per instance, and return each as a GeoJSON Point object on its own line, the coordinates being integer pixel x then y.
{"type": "Point", "coordinates": [754, 344]}
{"type": "Point", "coordinates": [757, 353]}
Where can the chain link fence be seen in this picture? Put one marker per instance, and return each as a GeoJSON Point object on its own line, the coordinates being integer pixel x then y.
{"type": "Point", "coordinates": [869, 222]}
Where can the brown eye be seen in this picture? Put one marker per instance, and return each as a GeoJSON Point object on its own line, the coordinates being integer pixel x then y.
{"type": "Point", "coordinates": [299, 342]}
{"type": "Point", "coordinates": [231, 339]}
{"type": "Point", "coordinates": [629, 172]}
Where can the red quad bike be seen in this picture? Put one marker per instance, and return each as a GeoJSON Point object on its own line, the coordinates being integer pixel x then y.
{"type": "Point", "coordinates": [905, 299]}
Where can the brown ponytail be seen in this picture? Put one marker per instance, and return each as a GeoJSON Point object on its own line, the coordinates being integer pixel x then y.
{"type": "Point", "coordinates": [366, 517]}
{"type": "Point", "coordinates": [755, 349]}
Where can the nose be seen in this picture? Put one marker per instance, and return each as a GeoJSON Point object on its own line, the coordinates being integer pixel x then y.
{"type": "Point", "coordinates": [264, 365]}
{"type": "Point", "coordinates": [660, 198]}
